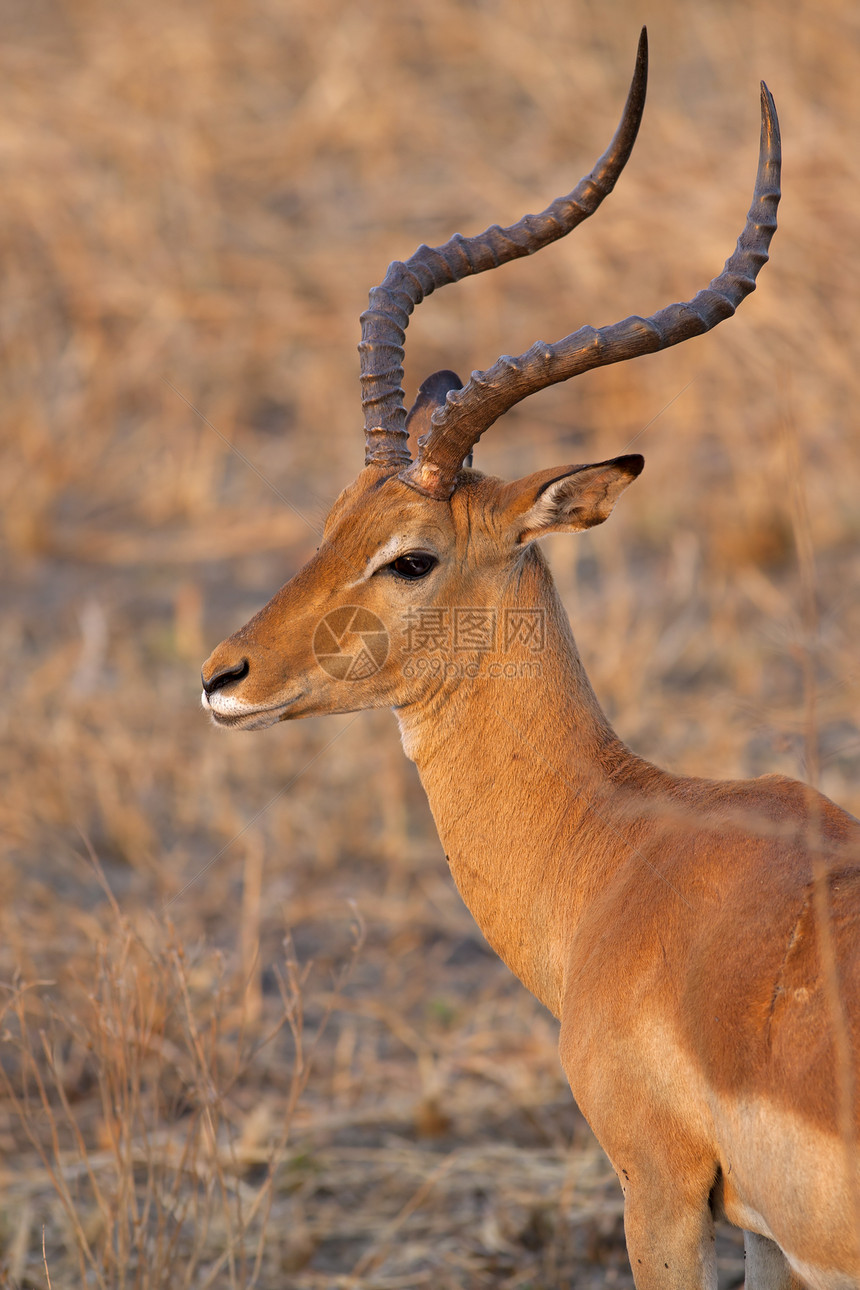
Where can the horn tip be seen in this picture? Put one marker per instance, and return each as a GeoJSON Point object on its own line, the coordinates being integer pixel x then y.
{"type": "Point", "coordinates": [769, 117]}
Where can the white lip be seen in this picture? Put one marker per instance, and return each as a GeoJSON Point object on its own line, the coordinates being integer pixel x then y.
{"type": "Point", "coordinates": [227, 711]}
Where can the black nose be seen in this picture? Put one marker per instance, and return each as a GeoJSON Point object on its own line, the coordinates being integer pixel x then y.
{"type": "Point", "coordinates": [220, 679]}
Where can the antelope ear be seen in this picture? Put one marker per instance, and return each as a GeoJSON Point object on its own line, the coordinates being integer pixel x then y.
{"type": "Point", "coordinates": [431, 395]}
{"type": "Point", "coordinates": [570, 499]}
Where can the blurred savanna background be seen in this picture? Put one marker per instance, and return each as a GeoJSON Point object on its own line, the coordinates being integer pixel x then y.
{"type": "Point", "coordinates": [250, 1036]}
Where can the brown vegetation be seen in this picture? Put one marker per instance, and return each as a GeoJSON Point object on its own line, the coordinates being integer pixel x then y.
{"type": "Point", "coordinates": [250, 1036]}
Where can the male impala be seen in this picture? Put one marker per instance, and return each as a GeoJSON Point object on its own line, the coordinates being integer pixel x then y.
{"type": "Point", "coordinates": [697, 940]}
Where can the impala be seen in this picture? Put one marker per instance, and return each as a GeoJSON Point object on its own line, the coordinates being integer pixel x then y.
{"type": "Point", "coordinates": [697, 940]}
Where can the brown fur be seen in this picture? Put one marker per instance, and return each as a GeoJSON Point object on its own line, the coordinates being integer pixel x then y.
{"type": "Point", "coordinates": [672, 924]}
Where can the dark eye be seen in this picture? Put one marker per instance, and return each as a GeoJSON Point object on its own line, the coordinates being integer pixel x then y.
{"type": "Point", "coordinates": [417, 564]}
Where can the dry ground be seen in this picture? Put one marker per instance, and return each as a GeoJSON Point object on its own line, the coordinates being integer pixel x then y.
{"type": "Point", "coordinates": [250, 1034]}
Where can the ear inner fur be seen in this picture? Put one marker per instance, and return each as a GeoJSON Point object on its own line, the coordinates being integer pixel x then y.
{"type": "Point", "coordinates": [548, 511]}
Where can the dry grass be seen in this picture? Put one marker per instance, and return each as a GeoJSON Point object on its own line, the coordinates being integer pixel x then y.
{"type": "Point", "coordinates": [155, 1170]}
{"type": "Point", "coordinates": [196, 199]}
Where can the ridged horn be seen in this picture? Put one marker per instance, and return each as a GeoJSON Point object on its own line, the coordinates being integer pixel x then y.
{"type": "Point", "coordinates": [469, 411]}
{"type": "Point", "coordinates": [384, 322]}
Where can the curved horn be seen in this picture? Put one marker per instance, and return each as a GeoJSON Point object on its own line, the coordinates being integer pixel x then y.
{"type": "Point", "coordinates": [468, 412]}
{"type": "Point", "coordinates": [384, 323]}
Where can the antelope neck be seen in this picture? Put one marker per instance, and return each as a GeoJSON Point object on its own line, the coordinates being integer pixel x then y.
{"type": "Point", "coordinates": [522, 776]}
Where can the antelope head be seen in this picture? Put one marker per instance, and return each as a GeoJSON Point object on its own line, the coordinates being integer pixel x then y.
{"type": "Point", "coordinates": [432, 535]}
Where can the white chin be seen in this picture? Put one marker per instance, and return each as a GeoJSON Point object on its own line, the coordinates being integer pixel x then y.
{"type": "Point", "coordinates": [233, 715]}
{"type": "Point", "coordinates": [247, 721]}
